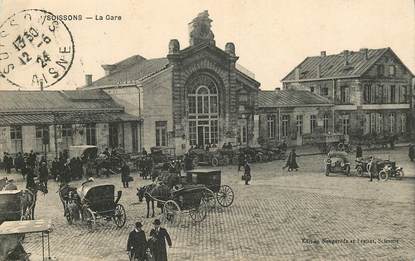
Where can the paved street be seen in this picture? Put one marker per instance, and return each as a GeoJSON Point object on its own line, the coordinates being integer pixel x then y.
{"type": "Point", "coordinates": [280, 216]}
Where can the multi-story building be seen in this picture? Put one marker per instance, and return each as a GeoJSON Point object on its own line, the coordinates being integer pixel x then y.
{"type": "Point", "coordinates": [51, 121]}
{"type": "Point", "coordinates": [194, 96]}
{"type": "Point", "coordinates": [371, 89]}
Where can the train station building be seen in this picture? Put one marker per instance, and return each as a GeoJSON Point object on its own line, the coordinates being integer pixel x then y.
{"type": "Point", "coordinates": [197, 95]}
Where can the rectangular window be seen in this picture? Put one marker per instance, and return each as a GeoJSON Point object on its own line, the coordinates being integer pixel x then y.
{"type": "Point", "coordinates": [392, 70]}
{"type": "Point", "coordinates": [134, 136]}
{"type": "Point", "coordinates": [367, 93]}
{"type": "Point", "coordinates": [379, 94]}
{"type": "Point", "coordinates": [403, 122]}
{"type": "Point", "coordinates": [16, 139]}
{"type": "Point", "coordinates": [392, 123]}
{"type": "Point", "coordinates": [326, 123]}
{"type": "Point", "coordinates": [324, 91]}
{"type": "Point", "coordinates": [311, 89]}
{"type": "Point", "coordinates": [243, 98]}
{"type": "Point", "coordinates": [199, 104]}
{"type": "Point", "coordinates": [192, 133]}
{"type": "Point", "coordinates": [373, 123]}
{"type": "Point", "coordinates": [42, 138]}
{"type": "Point", "coordinates": [91, 134]}
{"type": "Point", "coordinates": [380, 70]}
{"type": "Point", "coordinates": [402, 94]}
{"type": "Point", "coordinates": [271, 123]}
{"type": "Point", "coordinates": [161, 133]}
{"type": "Point", "coordinates": [285, 125]}
{"type": "Point", "coordinates": [392, 94]}
{"type": "Point", "coordinates": [313, 123]}
{"type": "Point", "coordinates": [344, 94]}
{"type": "Point", "coordinates": [379, 123]}
{"type": "Point", "coordinates": [345, 125]}
{"type": "Point", "coordinates": [299, 125]}
{"type": "Point", "coordinates": [214, 130]}
{"type": "Point", "coordinates": [67, 135]}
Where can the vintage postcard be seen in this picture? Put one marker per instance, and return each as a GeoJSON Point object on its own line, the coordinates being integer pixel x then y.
{"type": "Point", "coordinates": [207, 130]}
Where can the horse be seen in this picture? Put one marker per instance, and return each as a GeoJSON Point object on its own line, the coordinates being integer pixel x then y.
{"type": "Point", "coordinates": [3, 183]}
{"type": "Point", "coordinates": [68, 197]}
{"type": "Point", "coordinates": [28, 200]}
{"type": "Point", "coordinates": [151, 192]}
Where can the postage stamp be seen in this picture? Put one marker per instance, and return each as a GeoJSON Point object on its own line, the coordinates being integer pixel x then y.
{"type": "Point", "coordinates": [35, 53]}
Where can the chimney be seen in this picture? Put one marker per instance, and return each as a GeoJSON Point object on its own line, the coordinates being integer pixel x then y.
{"type": "Point", "coordinates": [277, 89]}
{"type": "Point", "coordinates": [108, 68]}
{"type": "Point", "coordinates": [88, 79]}
{"type": "Point", "coordinates": [323, 53]}
{"type": "Point", "coordinates": [346, 57]}
{"type": "Point", "coordinates": [365, 54]}
{"type": "Point", "coordinates": [319, 71]}
{"type": "Point", "coordinates": [297, 73]}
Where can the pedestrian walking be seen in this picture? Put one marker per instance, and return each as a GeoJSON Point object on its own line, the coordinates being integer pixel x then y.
{"type": "Point", "coordinates": [373, 169]}
{"type": "Point", "coordinates": [137, 243]}
{"type": "Point", "coordinates": [157, 241]}
{"type": "Point", "coordinates": [188, 162]}
{"type": "Point", "coordinates": [43, 174]}
{"type": "Point", "coordinates": [241, 159]}
{"type": "Point", "coordinates": [19, 162]}
{"type": "Point", "coordinates": [359, 152]}
{"type": "Point", "coordinates": [125, 174]}
{"type": "Point", "coordinates": [30, 178]}
{"type": "Point", "coordinates": [247, 173]}
{"type": "Point", "coordinates": [411, 152]}
{"type": "Point", "coordinates": [291, 161]}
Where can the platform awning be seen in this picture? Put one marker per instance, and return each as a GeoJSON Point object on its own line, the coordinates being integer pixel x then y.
{"type": "Point", "coordinates": [66, 118]}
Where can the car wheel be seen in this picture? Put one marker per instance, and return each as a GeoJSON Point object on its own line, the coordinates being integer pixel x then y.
{"type": "Point", "coordinates": [383, 175]}
{"type": "Point", "coordinates": [359, 171]}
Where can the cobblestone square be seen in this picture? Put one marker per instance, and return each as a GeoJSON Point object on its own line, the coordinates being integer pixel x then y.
{"type": "Point", "coordinates": [300, 215]}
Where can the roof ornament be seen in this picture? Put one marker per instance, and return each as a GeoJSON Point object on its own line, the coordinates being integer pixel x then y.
{"type": "Point", "coordinates": [200, 29]}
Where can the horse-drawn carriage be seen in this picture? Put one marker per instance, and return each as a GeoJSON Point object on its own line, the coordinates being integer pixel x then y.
{"type": "Point", "coordinates": [385, 168]}
{"type": "Point", "coordinates": [327, 142]}
{"type": "Point", "coordinates": [338, 162]}
{"type": "Point", "coordinates": [195, 193]}
{"type": "Point", "coordinates": [92, 201]}
{"type": "Point", "coordinates": [100, 162]}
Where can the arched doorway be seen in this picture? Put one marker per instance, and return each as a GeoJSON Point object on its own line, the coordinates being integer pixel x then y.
{"type": "Point", "coordinates": [203, 111]}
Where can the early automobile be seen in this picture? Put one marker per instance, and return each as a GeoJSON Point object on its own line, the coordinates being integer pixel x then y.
{"type": "Point", "coordinates": [337, 162]}
{"type": "Point", "coordinates": [214, 157]}
{"type": "Point", "coordinates": [385, 168]}
{"type": "Point", "coordinates": [92, 201]}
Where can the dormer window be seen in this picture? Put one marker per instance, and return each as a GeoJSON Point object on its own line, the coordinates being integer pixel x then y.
{"type": "Point", "coordinates": [392, 70]}
{"type": "Point", "coordinates": [380, 70]}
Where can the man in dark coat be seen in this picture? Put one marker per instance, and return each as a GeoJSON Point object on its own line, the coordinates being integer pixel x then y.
{"type": "Point", "coordinates": [247, 173]}
{"type": "Point", "coordinates": [19, 162]}
{"type": "Point", "coordinates": [55, 168]}
{"type": "Point", "coordinates": [44, 174]}
{"type": "Point", "coordinates": [373, 168]}
{"type": "Point", "coordinates": [157, 241]}
{"type": "Point", "coordinates": [292, 161]}
{"type": "Point", "coordinates": [359, 152]}
{"type": "Point", "coordinates": [30, 178]}
{"type": "Point", "coordinates": [241, 159]}
{"type": "Point", "coordinates": [137, 243]}
{"type": "Point", "coordinates": [188, 162]}
{"type": "Point", "coordinates": [125, 174]}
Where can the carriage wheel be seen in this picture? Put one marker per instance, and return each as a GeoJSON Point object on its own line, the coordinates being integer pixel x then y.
{"type": "Point", "coordinates": [225, 196]}
{"type": "Point", "coordinates": [214, 161]}
{"type": "Point", "coordinates": [88, 217]}
{"type": "Point", "coordinates": [171, 212]}
{"type": "Point", "coordinates": [199, 214]}
{"type": "Point", "coordinates": [69, 217]}
{"type": "Point", "coordinates": [210, 198]}
{"type": "Point", "coordinates": [383, 175]}
{"type": "Point", "coordinates": [119, 216]}
{"type": "Point", "coordinates": [341, 147]}
{"type": "Point", "coordinates": [359, 171]}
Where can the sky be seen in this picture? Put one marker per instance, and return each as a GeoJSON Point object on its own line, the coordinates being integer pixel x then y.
{"type": "Point", "coordinates": [271, 36]}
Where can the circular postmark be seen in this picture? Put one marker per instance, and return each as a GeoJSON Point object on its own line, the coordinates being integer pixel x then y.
{"type": "Point", "coordinates": [35, 52]}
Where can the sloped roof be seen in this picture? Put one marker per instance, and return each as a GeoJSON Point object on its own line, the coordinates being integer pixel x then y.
{"type": "Point", "coordinates": [66, 118]}
{"type": "Point", "coordinates": [134, 68]}
{"type": "Point", "coordinates": [290, 98]}
{"type": "Point", "coordinates": [55, 101]}
{"type": "Point", "coordinates": [333, 66]}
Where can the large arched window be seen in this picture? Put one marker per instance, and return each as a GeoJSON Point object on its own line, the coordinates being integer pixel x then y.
{"type": "Point", "coordinates": [203, 112]}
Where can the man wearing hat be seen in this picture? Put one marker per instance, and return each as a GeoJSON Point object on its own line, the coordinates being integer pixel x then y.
{"type": "Point", "coordinates": [137, 243]}
{"type": "Point", "coordinates": [43, 174]}
{"type": "Point", "coordinates": [158, 239]}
